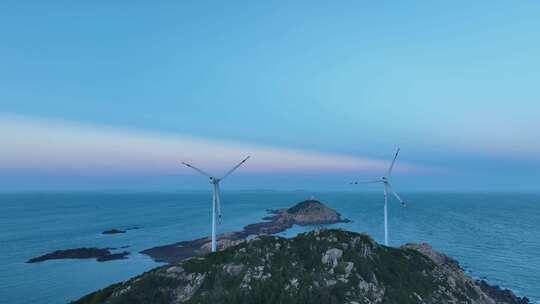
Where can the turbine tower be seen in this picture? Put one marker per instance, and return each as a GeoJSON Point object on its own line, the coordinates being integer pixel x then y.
{"type": "Point", "coordinates": [387, 189]}
{"type": "Point", "coordinates": [216, 205]}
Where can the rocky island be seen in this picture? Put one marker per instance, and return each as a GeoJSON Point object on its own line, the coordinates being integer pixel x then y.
{"type": "Point", "coordinates": [325, 266]}
{"type": "Point", "coordinates": [77, 253]}
{"type": "Point", "coordinates": [309, 212]}
{"type": "Point", "coordinates": [100, 254]}
{"type": "Point", "coordinates": [117, 231]}
{"type": "Point", "coordinates": [113, 231]}
{"type": "Point", "coordinates": [306, 213]}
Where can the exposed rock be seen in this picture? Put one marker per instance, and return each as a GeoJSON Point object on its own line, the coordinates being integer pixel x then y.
{"type": "Point", "coordinates": [113, 231]}
{"type": "Point", "coordinates": [309, 212]}
{"type": "Point", "coordinates": [117, 231]}
{"type": "Point", "coordinates": [501, 296]}
{"type": "Point", "coordinates": [77, 253]}
{"type": "Point", "coordinates": [437, 257]}
{"type": "Point", "coordinates": [348, 268]}
{"type": "Point", "coordinates": [331, 256]}
{"type": "Point", "coordinates": [298, 271]}
{"type": "Point", "coordinates": [233, 269]}
{"type": "Point", "coordinates": [113, 256]}
{"type": "Point", "coordinates": [186, 249]}
{"type": "Point", "coordinates": [100, 254]}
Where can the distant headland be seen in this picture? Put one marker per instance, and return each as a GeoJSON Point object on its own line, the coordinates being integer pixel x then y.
{"type": "Point", "coordinates": [309, 212]}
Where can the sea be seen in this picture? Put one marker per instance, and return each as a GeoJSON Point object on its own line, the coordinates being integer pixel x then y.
{"type": "Point", "coordinates": [494, 236]}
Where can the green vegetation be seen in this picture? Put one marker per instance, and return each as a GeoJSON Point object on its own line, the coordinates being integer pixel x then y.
{"type": "Point", "coordinates": [327, 266]}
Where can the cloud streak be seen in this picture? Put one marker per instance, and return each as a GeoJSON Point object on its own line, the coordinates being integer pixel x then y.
{"type": "Point", "coordinates": [58, 147]}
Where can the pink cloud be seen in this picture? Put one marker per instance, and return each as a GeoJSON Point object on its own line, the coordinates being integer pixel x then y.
{"type": "Point", "coordinates": [37, 145]}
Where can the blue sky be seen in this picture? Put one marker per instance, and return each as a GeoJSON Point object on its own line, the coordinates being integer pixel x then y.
{"type": "Point", "coordinates": [454, 84]}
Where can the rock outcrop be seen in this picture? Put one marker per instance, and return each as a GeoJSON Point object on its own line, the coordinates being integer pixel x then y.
{"type": "Point", "coordinates": [113, 231]}
{"type": "Point", "coordinates": [113, 256]}
{"type": "Point", "coordinates": [117, 231]}
{"type": "Point", "coordinates": [77, 253]}
{"type": "Point", "coordinates": [100, 254]}
{"type": "Point", "coordinates": [325, 266]}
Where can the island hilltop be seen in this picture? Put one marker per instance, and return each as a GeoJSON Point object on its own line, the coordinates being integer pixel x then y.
{"type": "Point", "coordinates": [325, 266]}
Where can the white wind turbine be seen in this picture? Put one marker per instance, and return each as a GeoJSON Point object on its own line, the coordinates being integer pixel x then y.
{"type": "Point", "coordinates": [387, 188]}
{"type": "Point", "coordinates": [216, 205]}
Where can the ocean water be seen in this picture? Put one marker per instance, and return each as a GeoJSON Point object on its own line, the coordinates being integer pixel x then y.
{"type": "Point", "coordinates": [493, 236]}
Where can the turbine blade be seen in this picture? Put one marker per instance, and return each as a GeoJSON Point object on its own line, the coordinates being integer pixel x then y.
{"type": "Point", "coordinates": [366, 182]}
{"type": "Point", "coordinates": [392, 164]}
{"type": "Point", "coordinates": [235, 167]}
{"type": "Point", "coordinates": [396, 195]}
{"type": "Point", "coordinates": [198, 170]}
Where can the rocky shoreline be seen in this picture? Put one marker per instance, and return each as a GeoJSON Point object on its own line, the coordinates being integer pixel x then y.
{"type": "Point", "coordinates": [309, 212]}
{"type": "Point", "coordinates": [324, 266]}
{"type": "Point", "coordinates": [499, 295]}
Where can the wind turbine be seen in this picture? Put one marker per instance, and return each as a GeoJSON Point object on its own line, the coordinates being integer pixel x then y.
{"type": "Point", "coordinates": [387, 189]}
{"type": "Point", "coordinates": [216, 205]}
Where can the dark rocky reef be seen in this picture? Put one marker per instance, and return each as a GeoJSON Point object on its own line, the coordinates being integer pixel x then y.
{"type": "Point", "coordinates": [113, 231]}
{"type": "Point", "coordinates": [116, 231]}
{"type": "Point", "coordinates": [324, 266]}
{"type": "Point", "coordinates": [113, 256]}
{"type": "Point", "coordinates": [77, 253]}
{"type": "Point", "coordinates": [310, 212]}
{"type": "Point", "coordinates": [100, 254]}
